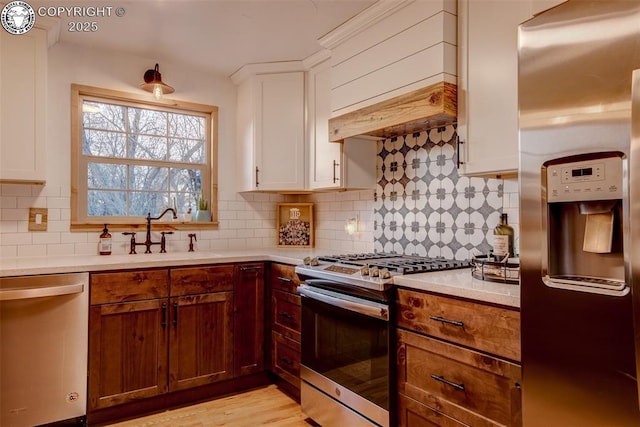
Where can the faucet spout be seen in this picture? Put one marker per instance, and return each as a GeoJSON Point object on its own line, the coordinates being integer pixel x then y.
{"type": "Point", "coordinates": [148, 243]}
{"type": "Point", "coordinates": [173, 211]}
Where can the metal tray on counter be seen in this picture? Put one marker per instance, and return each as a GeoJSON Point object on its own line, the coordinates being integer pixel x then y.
{"type": "Point", "coordinates": [493, 269]}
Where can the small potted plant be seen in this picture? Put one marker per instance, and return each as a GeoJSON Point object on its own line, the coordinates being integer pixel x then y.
{"type": "Point", "coordinates": [202, 213]}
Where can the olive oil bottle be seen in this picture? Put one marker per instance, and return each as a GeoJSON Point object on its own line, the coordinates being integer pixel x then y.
{"type": "Point", "coordinates": [503, 238]}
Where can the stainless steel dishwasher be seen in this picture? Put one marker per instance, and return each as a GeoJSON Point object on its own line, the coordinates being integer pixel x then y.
{"type": "Point", "coordinates": [43, 349]}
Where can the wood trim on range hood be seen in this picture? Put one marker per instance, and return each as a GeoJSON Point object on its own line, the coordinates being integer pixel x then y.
{"type": "Point", "coordinates": [422, 109]}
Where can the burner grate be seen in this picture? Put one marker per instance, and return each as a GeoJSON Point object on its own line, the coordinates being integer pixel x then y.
{"type": "Point", "coordinates": [401, 264]}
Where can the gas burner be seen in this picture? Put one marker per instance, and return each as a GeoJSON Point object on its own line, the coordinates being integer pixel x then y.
{"type": "Point", "coordinates": [358, 257]}
{"type": "Point", "coordinates": [373, 270]}
{"type": "Point", "coordinates": [401, 264]}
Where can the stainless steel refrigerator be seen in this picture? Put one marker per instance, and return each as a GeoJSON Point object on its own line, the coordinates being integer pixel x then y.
{"type": "Point", "coordinates": [580, 213]}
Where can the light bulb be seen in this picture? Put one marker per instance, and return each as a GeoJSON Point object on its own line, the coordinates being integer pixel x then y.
{"type": "Point", "coordinates": [157, 91]}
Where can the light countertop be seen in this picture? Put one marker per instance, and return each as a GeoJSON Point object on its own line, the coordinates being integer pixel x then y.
{"type": "Point", "coordinates": [457, 283]}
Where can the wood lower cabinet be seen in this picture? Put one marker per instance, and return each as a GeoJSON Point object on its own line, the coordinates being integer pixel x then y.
{"type": "Point", "coordinates": [286, 313]}
{"type": "Point", "coordinates": [128, 340]}
{"type": "Point", "coordinates": [412, 413]}
{"type": "Point", "coordinates": [201, 340]}
{"type": "Point", "coordinates": [471, 387]}
{"type": "Point", "coordinates": [127, 352]}
{"type": "Point", "coordinates": [285, 356]}
{"type": "Point", "coordinates": [458, 362]}
{"type": "Point", "coordinates": [249, 318]}
{"type": "Point", "coordinates": [285, 325]}
{"type": "Point", "coordinates": [492, 329]}
{"type": "Point", "coordinates": [161, 331]}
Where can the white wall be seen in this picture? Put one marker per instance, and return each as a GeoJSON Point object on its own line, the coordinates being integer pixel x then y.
{"type": "Point", "coordinates": [245, 220]}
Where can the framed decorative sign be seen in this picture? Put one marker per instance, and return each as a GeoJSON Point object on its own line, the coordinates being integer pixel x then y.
{"type": "Point", "coordinates": [294, 222]}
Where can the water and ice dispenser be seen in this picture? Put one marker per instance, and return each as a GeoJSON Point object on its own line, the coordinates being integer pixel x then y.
{"type": "Point", "coordinates": [585, 222]}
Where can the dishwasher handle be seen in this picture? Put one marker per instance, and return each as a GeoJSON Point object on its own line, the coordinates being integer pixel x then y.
{"type": "Point", "coordinates": [39, 292]}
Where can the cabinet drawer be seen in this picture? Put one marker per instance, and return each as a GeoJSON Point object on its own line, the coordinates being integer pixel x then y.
{"type": "Point", "coordinates": [128, 286]}
{"type": "Point", "coordinates": [486, 328]}
{"type": "Point", "coordinates": [201, 280]}
{"type": "Point", "coordinates": [286, 314]}
{"type": "Point", "coordinates": [284, 278]}
{"type": "Point", "coordinates": [285, 358]}
{"type": "Point", "coordinates": [412, 413]}
{"type": "Point", "coordinates": [471, 387]}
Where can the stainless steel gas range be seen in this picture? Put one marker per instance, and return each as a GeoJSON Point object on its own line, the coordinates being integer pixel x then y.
{"type": "Point", "coordinates": [347, 313]}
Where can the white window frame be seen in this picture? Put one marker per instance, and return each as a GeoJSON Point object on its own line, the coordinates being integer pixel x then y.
{"type": "Point", "coordinates": [80, 220]}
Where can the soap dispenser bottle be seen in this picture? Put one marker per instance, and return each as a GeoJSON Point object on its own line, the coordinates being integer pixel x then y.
{"type": "Point", "coordinates": [104, 246]}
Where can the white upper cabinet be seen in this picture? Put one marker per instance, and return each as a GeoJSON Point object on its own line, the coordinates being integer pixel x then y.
{"type": "Point", "coordinates": [270, 131]}
{"type": "Point", "coordinates": [488, 82]}
{"type": "Point", "coordinates": [332, 165]}
{"type": "Point", "coordinates": [324, 156]}
{"type": "Point", "coordinates": [391, 49]}
{"type": "Point", "coordinates": [23, 81]}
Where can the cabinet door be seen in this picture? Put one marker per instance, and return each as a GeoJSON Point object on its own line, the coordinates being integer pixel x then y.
{"type": "Point", "coordinates": [279, 131]}
{"type": "Point", "coordinates": [201, 337]}
{"type": "Point", "coordinates": [324, 156]}
{"type": "Point", "coordinates": [488, 84]}
{"type": "Point", "coordinates": [23, 77]}
{"type": "Point", "coordinates": [249, 319]}
{"type": "Point", "coordinates": [127, 352]}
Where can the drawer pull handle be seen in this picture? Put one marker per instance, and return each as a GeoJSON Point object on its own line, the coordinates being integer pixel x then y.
{"type": "Point", "coordinates": [447, 382]}
{"type": "Point", "coordinates": [450, 322]}
{"type": "Point", "coordinates": [251, 268]}
{"type": "Point", "coordinates": [284, 279]}
{"type": "Point", "coordinates": [285, 315]}
{"type": "Point", "coordinates": [285, 361]}
{"type": "Point", "coordinates": [163, 322]}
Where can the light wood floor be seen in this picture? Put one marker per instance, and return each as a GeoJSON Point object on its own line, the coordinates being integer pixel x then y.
{"type": "Point", "coordinates": [266, 406]}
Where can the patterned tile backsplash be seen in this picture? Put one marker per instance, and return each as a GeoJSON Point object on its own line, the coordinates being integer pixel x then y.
{"type": "Point", "coordinates": [424, 207]}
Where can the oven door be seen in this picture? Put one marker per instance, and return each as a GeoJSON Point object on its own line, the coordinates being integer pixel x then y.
{"type": "Point", "coordinates": [345, 357]}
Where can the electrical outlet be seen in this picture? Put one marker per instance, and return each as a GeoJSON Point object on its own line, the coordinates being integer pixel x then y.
{"type": "Point", "coordinates": [38, 219]}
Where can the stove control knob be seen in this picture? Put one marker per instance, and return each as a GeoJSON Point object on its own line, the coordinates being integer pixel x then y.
{"type": "Point", "coordinates": [373, 272]}
{"type": "Point", "coordinates": [314, 261]}
{"type": "Point", "coordinates": [364, 270]}
{"type": "Point", "coordinates": [385, 274]}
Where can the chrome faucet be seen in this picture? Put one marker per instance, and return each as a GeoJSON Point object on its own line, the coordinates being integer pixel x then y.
{"type": "Point", "coordinates": [148, 242]}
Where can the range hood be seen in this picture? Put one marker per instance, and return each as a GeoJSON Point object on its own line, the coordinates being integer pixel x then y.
{"type": "Point", "coordinates": [425, 108]}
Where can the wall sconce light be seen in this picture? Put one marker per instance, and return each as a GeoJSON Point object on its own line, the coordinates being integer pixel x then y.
{"type": "Point", "coordinates": [351, 226]}
{"type": "Point", "coordinates": [153, 83]}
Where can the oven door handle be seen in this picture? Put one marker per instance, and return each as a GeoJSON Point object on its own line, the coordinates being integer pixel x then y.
{"type": "Point", "coordinates": [368, 308]}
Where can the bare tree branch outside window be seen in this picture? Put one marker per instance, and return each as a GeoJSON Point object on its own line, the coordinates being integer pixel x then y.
{"type": "Point", "coordinates": [140, 160]}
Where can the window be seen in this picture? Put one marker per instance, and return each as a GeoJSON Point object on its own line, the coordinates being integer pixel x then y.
{"type": "Point", "coordinates": [131, 157]}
